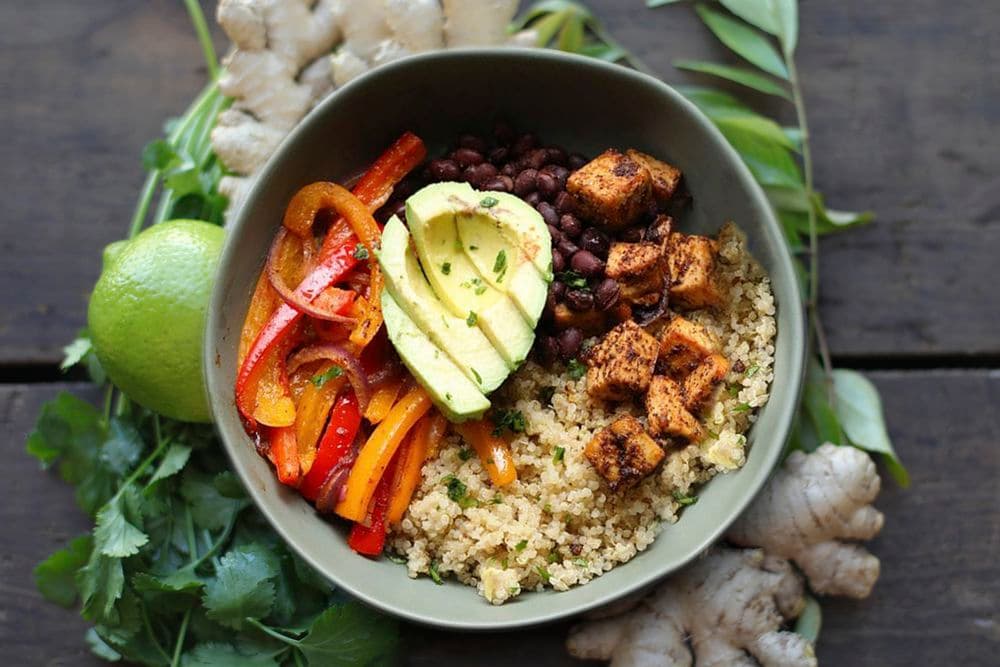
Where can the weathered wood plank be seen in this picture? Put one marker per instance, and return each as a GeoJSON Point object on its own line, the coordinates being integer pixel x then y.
{"type": "Point", "coordinates": [903, 96]}
{"type": "Point", "coordinates": [938, 600]}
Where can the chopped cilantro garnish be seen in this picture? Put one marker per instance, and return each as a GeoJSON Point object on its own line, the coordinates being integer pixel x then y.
{"type": "Point", "coordinates": [321, 379]}
{"type": "Point", "coordinates": [473, 247]}
{"type": "Point", "coordinates": [446, 268]}
{"type": "Point", "coordinates": [458, 492]}
{"type": "Point", "coordinates": [553, 557]}
{"type": "Point", "coordinates": [576, 369]}
{"type": "Point", "coordinates": [488, 202]}
{"type": "Point", "coordinates": [361, 252]}
{"type": "Point", "coordinates": [479, 291]}
{"type": "Point", "coordinates": [508, 420]}
{"type": "Point", "coordinates": [547, 508]}
{"type": "Point", "coordinates": [543, 573]}
{"type": "Point", "coordinates": [559, 455]}
{"type": "Point", "coordinates": [685, 499]}
{"type": "Point", "coordinates": [521, 546]}
{"type": "Point", "coordinates": [472, 318]}
{"type": "Point", "coordinates": [465, 453]}
{"type": "Point", "coordinates": [742, 407]}
{"type": "Point", "coordinates": [478, 377]}
{"type": "Point", "coordinates": [545, 395]}
{"type": "Point", "coordinates": [448, 396]}
{"type": "Point", "coordinates": [504, 563]}
{"type": "Point", "coordinates": [497, 499]}
{"type": "Point", "coordinates": [582, 562]}
{"type": "Point", "coordinates": [734, 390]}
{"type": "Point", "coordinates": [435, 575]}
{"type": "Point", "coordinates": [752, 371]}
{"type": "Point", "coordinates": [500, 264]}
{"type": "Point", "coordinates": [572, 279]}
{"type": "Point", "coordinates": [398, 560]}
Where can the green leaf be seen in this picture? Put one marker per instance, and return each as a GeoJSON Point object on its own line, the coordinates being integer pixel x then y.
{"type": "Point", "coordinates": [158, 154]}
{"type": "Point", "coordinates": [172, 463]}
{"type": "Point", "coordinates": [759, 127]}
{"type": "Point", "coordinates": [350, 635]}
{"type": "Point", "coordinates": [547, 27]}
{"type": "Point", "coordinates": [55, 576]}
{"type": "Point", "coordinates": [123, 448]}
{"type": "Point", "coordinates": [829, 220]}
{"type": "Point", "coordinates": [741, 75]}
{"type": "Point", "coordinates": [770, 163]}
{"type": "Point", "coordinates": [810, 620]}
{"type": "Point", "coordinates": [114, 535]}
{"type": "Point", "coordinates": [217, 654]}
{"type": "Point", "coordinates": [603, 52]}
{"type": "Point", "coordinates": [815, 400]}
{"type": "Point", "coordinates": [100, 583]}
{"type": "Point", "coordinates": [778, 17]}
{"type": "Point", "coordinates": [242, 586]}
{"type": "Point", "coordinates": [714, 103]}
{"type": "Point", "coordinates": [571, 35]}
{"type": "Point", "coordinates": [210, 508]}
{"type": "Point", "coordinates": [652, 4]}
{"type": "Point", "coordinates": [100, 648]}
{"type": "Point", "coordinates": [859, 408]}
{"type": "Point", "coordinates": [75, 352]}
{"type": "Point", "coordinates": [744, 41]}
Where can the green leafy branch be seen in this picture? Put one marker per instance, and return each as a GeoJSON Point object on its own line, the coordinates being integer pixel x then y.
{"type": "Point", "coordinates": [839, 406]}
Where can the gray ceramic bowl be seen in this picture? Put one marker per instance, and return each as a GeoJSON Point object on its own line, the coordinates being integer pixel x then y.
{"type": "Point", "coordinates": [587, 106]}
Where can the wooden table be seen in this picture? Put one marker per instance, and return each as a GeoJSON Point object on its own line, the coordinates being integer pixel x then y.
{"type": "Point", "coordinates": [904, 98]}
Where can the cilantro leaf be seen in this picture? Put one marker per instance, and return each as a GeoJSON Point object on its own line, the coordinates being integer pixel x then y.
{"type": "Point", "coordinates": [114, 535]}
{"type": "Point", "coordinates": [100, 583]}
{"type": "Point", "coordinates": [172, 463]}
{"type": "Point", "coordinates": [508, 420]}
{"type": "Point", "coordinates": [100, 648]}
{"type": "Point", "coordinates": [321, 379]}
{"type": "Point", "coordinates": [218, 654]}
{"type": "Point", "coordinates": [209, 507]}
{"type": "Point", "coordinates": [350, 634]}
{"type": "Point", "coordinates": [683, 499]}
{"type": "Point", "coordinates": [55, 576]}
{"type": "Point", "coordinates": [75, 352]}
{"type": "Point", "coordinates": [242, 586]}
{"type": "Point", "coordinates": [575, 369]}
{"type": "Point", "coordinates": [123, 448]}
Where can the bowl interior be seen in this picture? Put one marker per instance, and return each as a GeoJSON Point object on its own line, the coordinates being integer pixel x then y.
{"type": "Point", "coordinates": [586, 106]}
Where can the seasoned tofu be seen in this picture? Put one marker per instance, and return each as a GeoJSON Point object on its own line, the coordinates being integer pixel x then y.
{"type": "Point", "coordinates": [589, 321]}
{"type": "Point", "coordinates": [667, 415]}
{"type": "Point", "coordinates": [621, 364]}
{"type": "Point", "coordinates": [623, 453]}
{"type": "Point", "coordinates": [659, 232]}
{"type": "Point", "coordinates": [640, 269]}
{"type": "Point", "coordinates": [613, 189]}
{"type": "Point", "coordinates": [691, 262]}
{"type": "Point", "coordinates": [683, 344]}
{"type": "Point", "coordinates": [666, 178]}
{"type": "Point", "coordinates": [700, 384]}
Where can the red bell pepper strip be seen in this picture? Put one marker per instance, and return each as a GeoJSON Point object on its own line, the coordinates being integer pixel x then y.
{"type": "Point", "coordinates": [369, 540]}
{"type": "Point", "coordinates": [285, 455]}
{"type": "Point", "coordinates": [336, 260]}
{"type": "Point", "coordinates": [345, 420]}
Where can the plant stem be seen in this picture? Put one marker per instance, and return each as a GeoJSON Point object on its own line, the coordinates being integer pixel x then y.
{"type": "Point", "coordinates": [179, 645]}
{"type": "Point", "coordinates": [204, 36]}
{"type": "Point", "coordinates": [812, 299]}
{"type": "Point", "coordinates": [272, 633]}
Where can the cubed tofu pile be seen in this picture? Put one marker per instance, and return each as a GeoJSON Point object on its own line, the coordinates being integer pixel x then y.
{"type": "Point", "coordinates": [676, 373]}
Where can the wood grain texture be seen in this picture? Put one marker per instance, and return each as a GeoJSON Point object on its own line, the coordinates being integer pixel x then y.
{"type": "Point", "coordinates": [937, 602]}
{"type": "Point", "coordinates": [904, 98]}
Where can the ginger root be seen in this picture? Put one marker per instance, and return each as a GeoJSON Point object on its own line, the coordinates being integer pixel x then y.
{"type": "Point", "coordinates": [729, 606]}
{"type": "Point", "coordinates": [813, 503]}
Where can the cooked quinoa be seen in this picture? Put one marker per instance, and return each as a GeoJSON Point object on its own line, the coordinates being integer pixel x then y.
{"type": "Point", "coordinates": [558, 525]}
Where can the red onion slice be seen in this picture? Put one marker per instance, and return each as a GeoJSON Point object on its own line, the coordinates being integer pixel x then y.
{"type": "Point", "coordinates": [288, 295]}
{"type": "Point", "coordinates": [343, 358]}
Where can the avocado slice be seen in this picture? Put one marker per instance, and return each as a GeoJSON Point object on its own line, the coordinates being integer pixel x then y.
{"type": "Point", "coordinates": [453, 393]}
{"type": "Point", "coordinates": [476, 263]}
{"type": "Point", "coordinates": [466, 345]}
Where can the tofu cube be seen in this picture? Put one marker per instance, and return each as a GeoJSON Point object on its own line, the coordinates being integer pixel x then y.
{"type": "Point", "coordinates": [613, 189]}
{"type": "Point", "coordinates": [621, 364]}
{"type": "Point", "coordinates": [667, 415]}
{"type": "Point", "coordinates": [700, 384]}
{"type": "Point", "coordinates": [589, 321]}
{"type": "Point", "coordinates": [623, 453]}
{"type": "Point", "coordinates": [691, 262]}
{"type": "Point", "coordinates": [666, 178]}
{"type": "Point", "coordinates": [640, 270]}
{"type": "Point", "coordinates": [683, 344]}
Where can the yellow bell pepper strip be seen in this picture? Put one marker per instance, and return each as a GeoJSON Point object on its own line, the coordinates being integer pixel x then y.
{"type": "Point", "coordinates": [382, 400]}
{"type": "Point", "coordinates": [311, 415]}
{"type": "Point", "coordinates": [409, 463]}
{"type": "Point", "coordinates": [262, 304]}
{"type": "Point", "coordinates": [494, 452]}
{"type": "Point", "coordinates": [438, 429]}
{"type": "Point", "coordinates": [377, 452]}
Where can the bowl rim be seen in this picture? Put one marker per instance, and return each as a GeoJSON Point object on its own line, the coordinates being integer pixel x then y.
{"type": "Point", "coordinates": [795, 336]}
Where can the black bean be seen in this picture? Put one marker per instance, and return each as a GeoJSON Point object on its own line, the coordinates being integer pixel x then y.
{"type": "Point", "coordinates": [509, 170]}
{"type": "Point", "coordinates": [547, 185]}
{"type": "Point", "coordinates": [557, 289]}
{"type": "Point", "coordinates": [548, 348]}
{"type": "Point", "coordinates": [469, 174]}
{"type": "Point", "coordinates": [555, 233]}
{"type": "Point", "coordinates": [499, 155]}
{"type": "Point", "coordinates": [586, 264]}
{"type": "Point", "coordinates": [560, 173]}
{"type": "Point", "coordinates": [525, 182]}
{"type": "Point", "coordinates": [550, 306]}
{"type": "Point", "coordinates": [503, 133]}
{"type": "Point", "coordinates": [567, 247]}
{"type": "Point", "coordinates": [564, 203]}
{"type": "Point", "coordinates": [594, 241]}
{"type": "Point", "coordinates": [466, 156]}
{"type": "Point", "coordinates": [532, 199]}
{"type": "Point", "coordinates": [569, 342]}
{"type": "Point", "coordinates": [580, 299]}
{"type": "Point", "coordinates": [524, 143]}
{"type": "Point", "coordinates": [576, 161]}
{"type": "Point", "coordinates": [483, 173]}
{"type": "Point", "coordinates": [477, 144]}
{"type": "Point", "coordinates": [571, 225]}
{"type": "Point", "coordinates": [555, 155]}
{"type": "Point", "coordinates": [632, 235]}
{"type": "Point", "coordinates": [558, 262]}
{"type": "Point", "coordinates": [606, 293]}
{"type": "Point", "coordinates": [499, 184]}
{"type": "Point", "coordinates": [534, 159]}
{"type": "Point", "coordinates": [548, 212]}
{"type": "Point", "coordinates": [444, 170]}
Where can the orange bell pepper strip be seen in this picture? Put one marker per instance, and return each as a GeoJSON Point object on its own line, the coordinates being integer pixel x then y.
{"type": "Point", "coordinates": [438, 429]}
{"type": "Point", "coordinates": [368, 538]}
{"type": "Point", "coordinates": [410, 461]}
{"type": "Point", "coordinates": [377, 452]}
{"type": "Point", "coordinates": [494, 452]}
{"type": "Point", "coordinates": [383, 399]}
{"type": "Point", "coordinates": [336, 259]}
{"type": "Point", "coordinates": [284, 455]}
{"type": "Point", "coordinates": [273, 404]}
{"type": "Point", "coordinates": [338, 438]}
{"type": "Point", "coordinates": [262, 305]}
{"type": "Point", "coordinates": [311, 415]}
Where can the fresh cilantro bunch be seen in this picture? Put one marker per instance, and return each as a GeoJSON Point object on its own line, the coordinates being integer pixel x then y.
{"type": "Point", "coordinates": [180, 568]}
